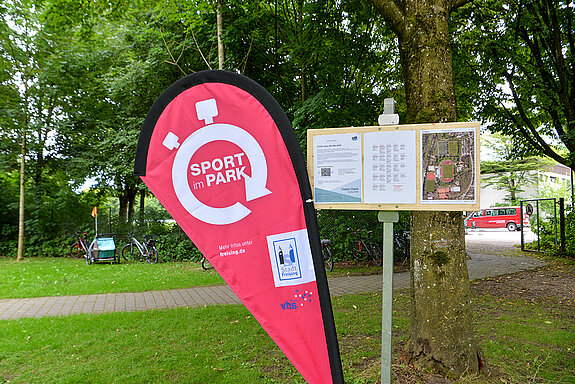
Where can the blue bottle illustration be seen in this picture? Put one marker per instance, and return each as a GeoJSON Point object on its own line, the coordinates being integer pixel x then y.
{"type": "Point", "coordinates": [291, 254]}
{"type": "Point", "coordinates": [288, 258]}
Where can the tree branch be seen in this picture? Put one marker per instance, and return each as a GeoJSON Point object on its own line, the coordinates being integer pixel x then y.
{"type": "Point", "coordinates": [392, 15]}
{"type": "Point", "coordinates": [458, 3]}
{"type": "Point", "coordinates": [529, 131]}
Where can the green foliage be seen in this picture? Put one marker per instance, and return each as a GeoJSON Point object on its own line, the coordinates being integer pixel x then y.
{"type": "Point", "coordinates": [54, 211]}
{"type": "Point", "coordinates": [327, 63]}
{"type": "Point", "coordinates": [93, 71]}
{"type": "Point", "coordinates": [520, 53]}
{"type": "Point", "coordinates": [511, 176]}
{"type": "Point", "coordinates": [177, 248]}
{"type": "Point", "coordinates": [8, 205]}
{"type": "Point", "coordinates": [509, 171]}
{"type": "Point", "coordinates": [340, 226]}
{"type": "Point", "coordinates": [174, 245]}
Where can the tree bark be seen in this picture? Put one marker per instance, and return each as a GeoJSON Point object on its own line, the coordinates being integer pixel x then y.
{"type": "Point", "coordinates": [131, 209]}
{"type": "Point", "coordinates": [441, 328]}
{"type": "Point", "coordinates": [220, 32]}
{"type": "Point", "coordinates": [142, 205]}
{"type": "Point", "coordinates": [126, 200]}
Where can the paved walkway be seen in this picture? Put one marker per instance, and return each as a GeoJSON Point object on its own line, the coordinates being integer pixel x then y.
{"type": "Point", "coordinates": [484, 262]}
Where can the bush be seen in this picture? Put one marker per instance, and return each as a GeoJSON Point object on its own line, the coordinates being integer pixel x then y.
{"type": "Point", "coordinates": [546, 232]}
{"type": "Point", "coordinates": [176, 246]}
{"type": "Point", "coordinates": [8, 248]}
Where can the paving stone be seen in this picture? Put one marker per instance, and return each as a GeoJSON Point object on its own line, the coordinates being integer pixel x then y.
{"type": "Point", "coordinates": [484, 262]}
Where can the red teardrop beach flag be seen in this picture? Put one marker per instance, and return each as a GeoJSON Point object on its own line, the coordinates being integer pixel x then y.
{"type": "Point", "coordinates": [219, 153]}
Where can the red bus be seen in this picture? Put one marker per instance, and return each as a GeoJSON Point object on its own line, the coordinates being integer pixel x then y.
{"type": "Point", "coordinates": [498, 217]}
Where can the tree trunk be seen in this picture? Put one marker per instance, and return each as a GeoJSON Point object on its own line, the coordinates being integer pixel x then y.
{"type": "Point", "coordinates": [126, 200]}
{"type": "Point", "coordinates": [142, 205]}
{"type": "Point", "coordinates": [441, 334]}
{"type": "Point", "coordinates": [512, 191]}
{"type": "Point", "coordinates": [220, 32]}
{"type": "Point", "coordinates": [123, 209]}
{"type": "Point", "coordinates": [131, 201]}
{"type": "Point", "coordinates": [20, 252]}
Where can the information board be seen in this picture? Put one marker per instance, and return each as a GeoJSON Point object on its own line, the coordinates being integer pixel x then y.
{"type": "Point", "coordinates": [396, 167]}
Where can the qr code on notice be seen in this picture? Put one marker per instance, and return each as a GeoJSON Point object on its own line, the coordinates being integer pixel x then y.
{"type": "Point", "coordinates": [326, 172]}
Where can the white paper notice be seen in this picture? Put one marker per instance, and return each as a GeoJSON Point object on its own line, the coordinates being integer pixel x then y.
{"type": "Point", "coordinates": [390, 167]}
{"type": "Point", "coordinates": [337, 168]}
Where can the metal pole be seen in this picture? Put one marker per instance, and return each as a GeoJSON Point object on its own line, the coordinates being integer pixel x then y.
{"type": "Point", "coordinates": [387, 218]}
{"type": "Point", "coordinates": [522, 225]}
{"type": "Point", "coordinates": [562, 225]}
{"type": "Point", "coordinates": [555, 221]}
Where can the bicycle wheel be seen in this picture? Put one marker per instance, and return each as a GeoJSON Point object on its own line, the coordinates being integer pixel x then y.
{"type": "Point", "coordinates": [206, 264]}
{"type": "Point", "coordinates": [327, 259]}
{"type": "Point", "coordinates": [359, 251]}
{"type": "Point", "coordinates": [128, 252]}
{"type": "Point", "coordinates": [376, 254]}
{"type": "Point", "coordinates": [401, 250]}
{"type": "Point", "coordinates": [76, 250]}
{"type": "Point", "coordinates": [152, 256]}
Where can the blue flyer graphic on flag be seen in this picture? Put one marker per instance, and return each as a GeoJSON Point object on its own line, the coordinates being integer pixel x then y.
{"type": "Point", "coordinates": [291, 259]}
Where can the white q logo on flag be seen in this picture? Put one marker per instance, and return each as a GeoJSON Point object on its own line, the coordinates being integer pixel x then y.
{"type": "Point", "coordinates": [255, 185]}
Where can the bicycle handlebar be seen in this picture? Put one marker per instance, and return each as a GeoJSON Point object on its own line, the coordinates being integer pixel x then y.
{"type": "Point", "coordinates": [358, 231]}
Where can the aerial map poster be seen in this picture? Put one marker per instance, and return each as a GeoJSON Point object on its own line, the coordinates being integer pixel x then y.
{"type": "Point", "coordinates": [448, 166]}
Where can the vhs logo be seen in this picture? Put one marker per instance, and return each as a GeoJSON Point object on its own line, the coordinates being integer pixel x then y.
{"type": "Point", "coordinates": [300, 298]}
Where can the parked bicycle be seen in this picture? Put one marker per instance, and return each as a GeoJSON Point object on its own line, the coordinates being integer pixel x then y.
{"type": "Point", "coordinates": [206, 264]}
{"type": "Point", "coordinates": [401, 244]}
{"type": "Point", "coordinates": [365, 248]}
{"type": "Point", "coordinates": [327, 256]}
{"type": "Point", "coordinates": [144, 251]}
{"type": "Point", "coordinates": [79, 249]}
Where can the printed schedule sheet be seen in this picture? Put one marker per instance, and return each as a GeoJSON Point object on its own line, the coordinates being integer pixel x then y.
{"type": "Point", "coordinates": [390, 167]}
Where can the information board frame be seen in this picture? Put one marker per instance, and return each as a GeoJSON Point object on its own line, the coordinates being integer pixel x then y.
{"type": "Point", "coordinates": [462, 134]}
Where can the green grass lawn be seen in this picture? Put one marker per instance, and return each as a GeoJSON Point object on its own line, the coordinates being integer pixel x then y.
{"type": "Point", "coordinates": [523, 340]}
{"type": "Point", "coordinates": [36, 277]}
{"type": "Point", "coordinates": [532, 341]}
{"type": "Point", "coordinates": [522, 344]}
